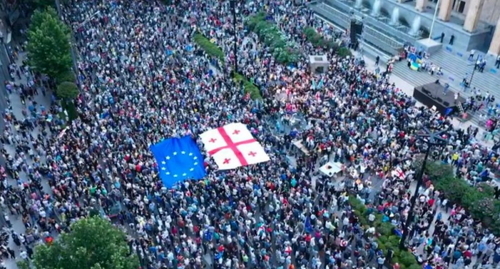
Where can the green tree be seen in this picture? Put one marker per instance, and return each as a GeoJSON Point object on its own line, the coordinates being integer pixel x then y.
{"type": "Point", "coordinates": [40, 15]}
{"type": "Point", "coordinates": [33, 5]}
{"type": "Point", "coordinates": [42, 3]}
{"type": "Point", "coordinates": [67, 76]}
{"type": "Point", "coordinates": [67, 90]}
{"type": "Point", "coordinates": [49, 49]}
{"type": "Point", "coordinates": [93, 243]}
{"type": "Point", "coordinates": [23, 264]}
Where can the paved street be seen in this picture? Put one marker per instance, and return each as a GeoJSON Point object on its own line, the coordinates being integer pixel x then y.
{"type": "Point", "coordinates": [4, 76]}
{"type": "Point", "coordinates": [17, 224]}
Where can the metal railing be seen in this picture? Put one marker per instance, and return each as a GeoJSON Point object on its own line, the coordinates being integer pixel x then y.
{"type": "Point", "coordinates": [372, 35]}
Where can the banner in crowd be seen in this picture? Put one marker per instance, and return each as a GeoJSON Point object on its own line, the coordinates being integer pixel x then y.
{"type": "Point", "coordinates": [233, 146]}
{"type": "Point", "coordinates": [178, 159]}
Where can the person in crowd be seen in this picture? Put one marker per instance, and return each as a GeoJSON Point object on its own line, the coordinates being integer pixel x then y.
{"type": "Point", "coordinates": [143, 79]}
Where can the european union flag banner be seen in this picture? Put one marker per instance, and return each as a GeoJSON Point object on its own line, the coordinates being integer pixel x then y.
{"type": "Point", "coordinates": [178, 159]}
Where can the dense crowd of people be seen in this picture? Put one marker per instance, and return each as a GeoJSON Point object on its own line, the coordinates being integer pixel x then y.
{"type": "Point", "coordinates": [141, 82]}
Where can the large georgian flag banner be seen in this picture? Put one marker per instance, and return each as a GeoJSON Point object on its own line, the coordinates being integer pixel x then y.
{"type": "Point", "coordinates": [233, 146]}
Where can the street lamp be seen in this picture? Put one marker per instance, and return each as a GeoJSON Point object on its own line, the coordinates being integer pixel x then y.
{"type": "Point", "coordinates": [473, 71]}
{"type": "Point", "coordinates": [235, 35]}
{"type": "Point", "coordinates": [434, 19]}
{"type": "Point", "coordinates": [429, 139]}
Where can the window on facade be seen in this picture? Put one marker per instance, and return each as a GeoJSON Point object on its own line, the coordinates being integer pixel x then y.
{"type": "Point", "coordinates": [461, 7]}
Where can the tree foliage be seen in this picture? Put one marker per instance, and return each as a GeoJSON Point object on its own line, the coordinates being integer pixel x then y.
{"type": "Point", "coordinates": [93, 243]}
{"type": "Point", "coordinates": [49, 49]}
{"type": "Point", "coordinates": [478, 200]}
{"type": "Point", "coordinates": [67, 76]}
{"type": "Point", "coordinates": [386, 238]}
{"type": "Point", "coordinates": [209, 47]}
{"type": "Point", "coordinates": [283, 50]}
{"type": "Point", "coordinates": [67, 90]}
{"type": "Point", "coordinates": [213, 50]}
{"type": "Point", "coordinates": [318, 40]}
{"type": "Point", "coordinates": [39, 4]}
{"type": "Point", "coordinates": [40, 15]}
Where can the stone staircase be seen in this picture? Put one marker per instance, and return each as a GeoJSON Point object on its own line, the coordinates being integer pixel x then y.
{"type": "Point", "coordinates": [452, 68]}
{"type": "Point", "coordinates": [374, 37]}
{"type": "Point", "coordinates": [456, 68]}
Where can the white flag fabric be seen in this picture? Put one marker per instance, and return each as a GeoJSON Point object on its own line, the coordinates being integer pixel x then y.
{"type": "Point", "coordinates": [398, 172]}
{"type": "Point", "coordinates": [233, 146]}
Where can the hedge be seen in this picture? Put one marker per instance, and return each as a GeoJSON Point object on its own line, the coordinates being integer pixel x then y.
{"type": "Point", "coordinates": [67, 76]}
{"type": "Point", "coordinates": [478, 200]}
{"type": "Point", "coordinates": [284, 52]}
{"type": "Point", "coordinates": [318, 40]}
{"type": "Point", "coordinates": [386, 237]}
{"type": "Point", "coordinates": [213, 50]}
{"type": "Point", "coordinates": [209, 47]}
{"type": "Point", "coordinates": [70, 108]}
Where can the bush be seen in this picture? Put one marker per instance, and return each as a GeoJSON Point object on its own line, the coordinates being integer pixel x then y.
{"type": "Point", "coordinates": [70, 108]}
{"type": "Point", "coordinates": [213, 50]}
{"type": "Point", "coordinates": [209, 47]}
{"type": "Point", "coordinates": [67, 90]}
{"type": "Point", "coordinates": [478, 200]}
{"type": "Point", "coordinates": [318, 40]}
{"type": "Point", "coordinates": [283, 51]}
{"type": "Point", "coordinates": [387, 239]}
{"type": "Point", "coordinates": [344, 52]}
{"type": "Point", "coordinates": [248, 86]}
{"type": "Point", "coordinates": [67, 76]}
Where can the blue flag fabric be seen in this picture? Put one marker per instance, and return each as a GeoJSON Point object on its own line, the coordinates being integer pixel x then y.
{"type": "Point", "coordinates": [308, 226]}
{"type": "Point", "coordinates": [178, 159]}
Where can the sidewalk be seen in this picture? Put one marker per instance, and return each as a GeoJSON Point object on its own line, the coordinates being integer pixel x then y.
{"type": "Point", "coordinates": [17, 107]}
{"type": "Point", "coordinates": [4, 64]}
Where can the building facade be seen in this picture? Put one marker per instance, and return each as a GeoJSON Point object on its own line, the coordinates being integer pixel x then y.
{"type": "Point", "coordinates": [474, 12]}
{"type": "Point", "coordinates": [490, 13]}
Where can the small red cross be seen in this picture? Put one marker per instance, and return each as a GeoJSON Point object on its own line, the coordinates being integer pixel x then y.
{"type": "Point", "coordinates": [235, 132]}
{"type": "Point", "coordinates": [252, 153]}
{"type": "Point", "coordinates": [212, 140]}
{"type": "Point", "coordinates": [226, 161]}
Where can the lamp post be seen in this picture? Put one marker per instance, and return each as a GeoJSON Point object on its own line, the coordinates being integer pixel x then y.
{"type": "Point", "coordinates": [473, 71]}
{"type": "Point", "coordinates": [434, 18]}
{"type": "Point", "coordinates": [430, 139]}
{"type": "Point", "coordinates": [235, 35]}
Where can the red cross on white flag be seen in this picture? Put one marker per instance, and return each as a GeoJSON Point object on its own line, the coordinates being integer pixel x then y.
{"type": "Point", "coordinates": [398, 172]}
{"type": "Point", "coordinates": [233, 146]}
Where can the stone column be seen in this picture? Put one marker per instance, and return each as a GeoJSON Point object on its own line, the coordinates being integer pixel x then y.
{"type": "Point", "coordinates": [445, 8]}
{"type": "Point", "coordinates": [473, 15]}
{"type": "Point", "coordinates": [495, 42]}
{"type": "Point", "coordinates": [421, 5]}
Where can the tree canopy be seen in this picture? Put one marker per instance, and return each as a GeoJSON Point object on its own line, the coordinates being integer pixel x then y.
{"type": "Point", "coordinates": [67, 90]}
{"type": "Point", "coordinates": [67, 76]}
{"type": "Point", "coordinates": [40, 15]}
{"type": "Point", "coordinates": [38, 4]}
{"type": "Point", "coordinates": [93, 243]}
{"type": "Point", "coordinates": [49, 49]}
